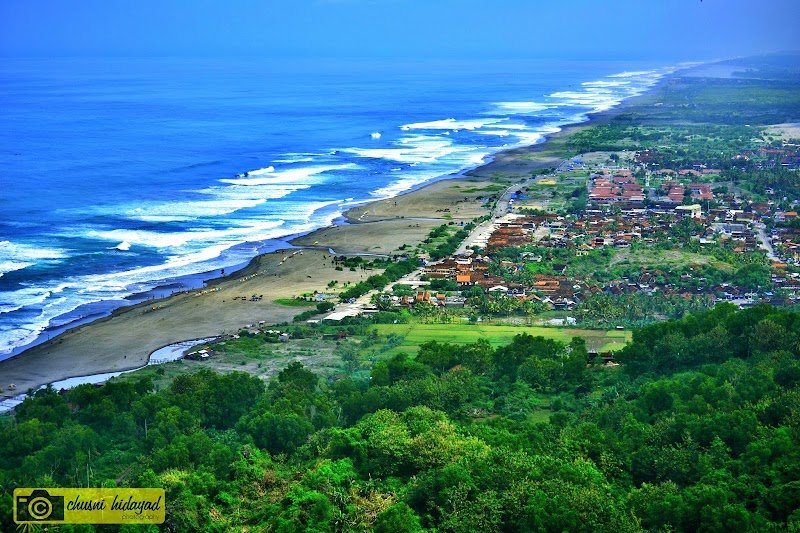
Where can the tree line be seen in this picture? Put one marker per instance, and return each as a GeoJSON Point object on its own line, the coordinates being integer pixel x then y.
{"type": "Point", "coordinates": [697, 430]}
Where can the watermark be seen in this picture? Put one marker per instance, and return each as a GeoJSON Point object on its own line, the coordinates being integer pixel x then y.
{"type": "Point", "coordinates": [89, 506]}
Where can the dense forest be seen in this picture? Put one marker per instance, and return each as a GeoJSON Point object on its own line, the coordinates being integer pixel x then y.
{"type": "Point", "coordinates": [697, 429]}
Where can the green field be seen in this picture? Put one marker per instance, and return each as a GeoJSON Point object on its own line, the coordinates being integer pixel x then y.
{"type": "Point", "coordinates": [294, 302]}
{"type": "Point", "coordinates": [655, 258]}
{"type": "Point", "coordinates": [497, 335]}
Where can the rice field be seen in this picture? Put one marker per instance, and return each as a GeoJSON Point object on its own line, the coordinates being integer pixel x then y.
{"type": "Point", "coordinates": [497, 335]}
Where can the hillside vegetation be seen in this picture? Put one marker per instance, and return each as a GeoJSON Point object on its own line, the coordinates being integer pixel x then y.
{"type": "Point", "coordinates": [697, 430]}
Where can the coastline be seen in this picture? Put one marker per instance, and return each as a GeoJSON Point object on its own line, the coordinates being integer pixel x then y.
{"type": "Point", "coordinates": [125, 338]}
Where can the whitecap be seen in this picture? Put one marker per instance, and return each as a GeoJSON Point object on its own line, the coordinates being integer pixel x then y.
{"type": "Point", "coordinates": [414, 149]}
{"type": "Point", "coordinates": [603, 83]}
{"type": "Point", "coordinates": [259, 172]}
{"type": "Point", "coordinates": [635, 73]}
{"type": "Point", "coordinates": [14, 300]}
{"type": "Point", "coordinates": [498, 132]}
{"type": "Point", "coordinates": [10, 266]}
{"type": "Point", "coordinates": [509, 126]}
{"type": "Point", "coordinates": [123, 246]}
{"type": "Point", "coordinates": [520, 107]}
{"type": "Point", "coordinates": [290, 160]}
{"type": "Point", "coordinates": [189, 210]}
{"type": "Point", "coordinates": [19, 335]}
{"type": "Point", "coordinates": [375, 135]}
{"type": "Point", "coordinates": [452, 124]}
{"type": "Point", "coordinates": [294, 175]}
{"type": "Point", "coordinates": [24, 251]}
{"type": "Point", "coordinates": [16, 256]}
{"type": "Point", "coordinates": [161, 240]}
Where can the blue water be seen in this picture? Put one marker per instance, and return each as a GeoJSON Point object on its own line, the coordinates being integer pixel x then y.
{"type": "Point", "coordinates": [118, 176]}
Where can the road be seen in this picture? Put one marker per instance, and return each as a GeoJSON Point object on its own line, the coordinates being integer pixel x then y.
{"type": "Point", "coordinates": [480, 235]}
{"type": "Point", "coordinates": [765, 242]}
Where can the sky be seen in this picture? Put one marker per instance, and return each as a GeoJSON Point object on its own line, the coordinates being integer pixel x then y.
{"type": "Point", "coordinates": [402, 29]}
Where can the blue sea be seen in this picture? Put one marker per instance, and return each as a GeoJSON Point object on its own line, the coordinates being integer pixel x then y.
{"type": "Point", "coordinates": [125, 178]}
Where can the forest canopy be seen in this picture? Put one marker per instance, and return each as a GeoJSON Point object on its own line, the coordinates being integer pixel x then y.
{"type": "Point", "coordinates": [697, 429]}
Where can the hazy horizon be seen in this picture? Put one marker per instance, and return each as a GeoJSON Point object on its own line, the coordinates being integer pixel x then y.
{"type": "Point", "coordinates": [672, 30]}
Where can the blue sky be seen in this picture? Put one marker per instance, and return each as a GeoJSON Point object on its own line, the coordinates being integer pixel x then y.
{"type": "Point", "coordinates": [403, 29]}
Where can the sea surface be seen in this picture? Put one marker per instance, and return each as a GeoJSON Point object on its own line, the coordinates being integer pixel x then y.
{"type": "Point", "coordinates": [124, 179]}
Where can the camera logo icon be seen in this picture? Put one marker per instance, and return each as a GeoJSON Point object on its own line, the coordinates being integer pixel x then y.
{"type": "Point", "coordinates": [39, 506]}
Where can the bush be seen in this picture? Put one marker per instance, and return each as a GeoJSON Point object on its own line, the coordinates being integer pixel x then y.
{"type": "Point", "coordinates": [324, 307]}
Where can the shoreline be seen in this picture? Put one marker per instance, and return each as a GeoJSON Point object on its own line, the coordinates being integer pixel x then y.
{"type": "Point", "coordinates": [112, 342]}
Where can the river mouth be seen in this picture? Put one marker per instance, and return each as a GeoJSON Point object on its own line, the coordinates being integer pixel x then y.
{"type": "Point", "coordinates": [166, 354]}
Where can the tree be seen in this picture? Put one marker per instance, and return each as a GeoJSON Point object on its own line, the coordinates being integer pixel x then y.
{"type": "Point", "coordinates": [296, 376]}
{"type": "Point", "coordinates": [398, 517]}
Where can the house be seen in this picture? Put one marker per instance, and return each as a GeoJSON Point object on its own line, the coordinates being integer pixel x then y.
{"type": "Point", "coordinates": [701, 191]}
{"type": "Point", "coordinates": [464, 279]}
{"type": "Point", "coordinates": [690, 211]}
{"type": "Point", "coordinates": [498, 288]}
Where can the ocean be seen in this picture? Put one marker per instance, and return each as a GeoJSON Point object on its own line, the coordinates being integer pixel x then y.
{"type": "Point", "coordinates": [124, 179]}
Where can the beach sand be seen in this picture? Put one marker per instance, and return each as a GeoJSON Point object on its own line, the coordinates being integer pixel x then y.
{"type": "Point", "coordinates": [125, 339]}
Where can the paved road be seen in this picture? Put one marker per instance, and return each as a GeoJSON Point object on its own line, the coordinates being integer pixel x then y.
{"type": "Point", "coordinates": [480, 235]}
{"type": "Point", "coordinates": [765, 242]}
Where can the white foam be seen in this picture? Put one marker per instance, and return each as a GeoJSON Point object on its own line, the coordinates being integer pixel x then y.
{"type": "Point", "coordinates": [148, 238]}
{"type": "Point", "coordinates": [603, 83]}
{"type": "Point", "coordinates": [452, 124]}
{"type": "Point", "coordinates": [55, 303]}
{"type": "Point", "coordinates": [17, 299]}
{"type": "Point", "coordinates": [632, 74]}
{"type": "Point", "coordinates": [375, 135]}
{"type": "Point", "coordinates": [507, 127]}
{"type": "Point", "coordinates": [596, 99]}
{"type": "Point", "coordinates": [416, 149]}
{"type": "Point", "coordinates": [297, 214]}
{"type": "Point", "coordinates": [584, 97]}
{"type": "Point", "coordinates": [10, 266]}
{"type": "Point", "coordinates": [189, 210]}
{"type": "Point", "coordinates": [123, 246]}
{"type": "Point", "coordinates": [499, 133]}
{"type": "Point", "coordinates": [18, 335]}
{"type": "Point", "coordinates": [408, 182]}
{"type": "Point", "coordinates": [261, 171]}
{"type": "Point", "coordinates": [289, 176]}
{"type": "Point", "coordinates": [82, 290]}
{"type": "Point", "coordinates": [253, 192]}
{"type": "Point", "coordinates": [520, 107]}
{"type": "Point", "coordinates": [290, 160]}
{"type": "Point", "coordinates": [160, 240]}
{"type": "Point", "coordinates": [16, 256]}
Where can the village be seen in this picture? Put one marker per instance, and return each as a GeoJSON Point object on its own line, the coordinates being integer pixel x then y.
{"type": "Point", "coordinates": [535, 256]}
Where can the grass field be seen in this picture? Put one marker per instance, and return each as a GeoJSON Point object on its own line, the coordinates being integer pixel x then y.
{"type": "Point", "coordinates": [669, 258]}
{"type": "Point", "coordinates": [497, 335]}
{"type": "Point", "coordinates": [294, 302]}
{"type": "Point", "coordinates": [265, 360]}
